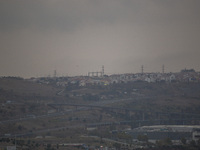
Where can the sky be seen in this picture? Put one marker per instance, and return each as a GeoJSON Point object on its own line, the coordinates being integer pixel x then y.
{"type": "Point", "coordinates": [74, 37]}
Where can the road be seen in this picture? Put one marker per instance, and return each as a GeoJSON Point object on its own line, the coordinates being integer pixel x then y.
{"type": "Point", "coordinates": [81, 107]}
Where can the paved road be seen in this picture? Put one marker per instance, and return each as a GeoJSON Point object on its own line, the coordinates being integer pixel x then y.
{"type": "Point", "coordinates": [99, 104]}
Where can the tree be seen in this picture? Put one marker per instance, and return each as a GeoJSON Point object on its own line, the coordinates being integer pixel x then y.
{"type": "Point", "coordinates": [29, 142]}
{"type": "Point", "coordinates": [37, 145]}
{"type": "Point", "coordinates": [183, 140]}
{"type": "Point", "coordinates": [164, 142]}
{"type": "Point", "coordinates": [143, 138]}
{"type": "Point", "coordinates": [20, 127]}
{"type": "Point", "coordinates": [125, 136]}
{"type": "Point", "coordinates": [198, 142]}
{"type": "Point", "coordinates": [168, 141]}
{"type": "Point", "coordinates": [117, 146]}
{"type": "Point", "coordinates": [48, 147]}
{"type": "Point", "coordinates": [192, 143]}
{"type": "Point", "coordinates": [57, 146]}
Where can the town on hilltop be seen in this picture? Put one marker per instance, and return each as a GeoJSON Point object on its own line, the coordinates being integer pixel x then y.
{"type": "Point", "coordinates": [99, 78]}
{"type": "Point", "coordinates": [147, 111]}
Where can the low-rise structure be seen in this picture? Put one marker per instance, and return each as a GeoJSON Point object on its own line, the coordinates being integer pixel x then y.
{"type": "Point", "coordinates": [173, 132]}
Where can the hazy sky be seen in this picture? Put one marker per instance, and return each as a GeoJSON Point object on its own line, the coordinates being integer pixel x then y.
{"type": "Point", "coordinates": [77, 36]}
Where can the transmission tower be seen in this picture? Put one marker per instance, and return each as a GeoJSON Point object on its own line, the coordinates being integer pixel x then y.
{"type": "Point", "coordinates": [163, 69]}
{"type": "Point", "coordinates": [142, 69]}
{"type": "Point", "coordinates": [55, 73]}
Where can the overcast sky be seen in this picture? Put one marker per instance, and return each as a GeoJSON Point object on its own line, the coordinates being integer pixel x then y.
{"type": "Point", "coordinates": [77, 36]}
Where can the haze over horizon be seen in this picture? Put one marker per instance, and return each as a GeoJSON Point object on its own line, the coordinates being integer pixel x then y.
{"type": "Point", "coordinates": [77, 36]}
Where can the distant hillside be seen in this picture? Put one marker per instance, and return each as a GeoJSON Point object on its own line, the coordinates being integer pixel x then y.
{"type": "Point", "coordinates": [181, 97]}
{"type": "Point", "coordinates": [14, 88]}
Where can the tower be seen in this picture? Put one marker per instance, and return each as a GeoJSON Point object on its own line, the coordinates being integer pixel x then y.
{"type": "Point", "coordinates": [163, 69]}
{"type": "Point", "coordinates": [103, 70]}
{"type": "Point", "coordinates": [55, 73]}
{"type": "Point", "coordinates": [142, 69]}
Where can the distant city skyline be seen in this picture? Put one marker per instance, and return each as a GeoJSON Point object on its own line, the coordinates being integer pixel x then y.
{"type": "Point", "coordinates": [75, 37]}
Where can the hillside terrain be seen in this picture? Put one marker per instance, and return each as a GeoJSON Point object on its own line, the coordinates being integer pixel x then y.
{"type": "Point", "coordinates": [32, 109]}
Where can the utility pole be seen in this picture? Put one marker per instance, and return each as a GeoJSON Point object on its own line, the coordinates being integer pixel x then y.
{"type": "Point", "coordinates": [55, 73]}
{"type": "Point", "coordinates": [163, 69]}
{"type": "Point", "coordinates": [142, 69]}
{"type": "Point", "coordinates": [103, 70]}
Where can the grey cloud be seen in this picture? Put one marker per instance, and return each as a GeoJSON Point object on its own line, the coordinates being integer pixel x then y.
{"type": "Point", "coordinates": [39, 36]}
{"type": "Point", "coordinates": [49, 15]}
{"type": "Point", "coordinates": [67, 15]}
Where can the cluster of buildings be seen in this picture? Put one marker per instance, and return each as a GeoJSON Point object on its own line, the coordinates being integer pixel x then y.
{"type": "Point", "coordinates": [183, 76]}
{"type": "Point", "coordinates": [173, 132]}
